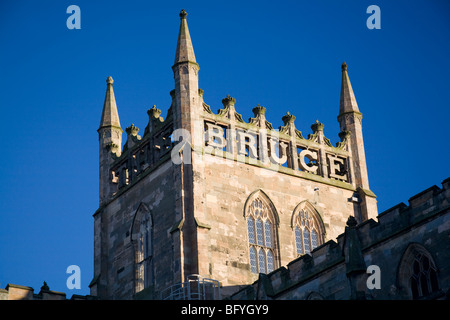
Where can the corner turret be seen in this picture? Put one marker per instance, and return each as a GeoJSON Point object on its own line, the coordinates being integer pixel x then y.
{"type": "Point", "coordinates": [110, 140]}
{"type": "Point", "coordinates": [350, 121]}
{"type": "Point", "coordinates": [188, 100]}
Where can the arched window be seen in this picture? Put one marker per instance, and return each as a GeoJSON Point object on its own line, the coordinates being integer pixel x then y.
{"type": "Point", "coordinates": [142, 237]}
{"type": "Point", "coordinates": [261, 225]}
{"type": "Point", "coordinates": [308, 228]}
{"type": "Point", "coordinates": [314, 296]}
{"type": "Point", "coordinates": [253, 266]}
{"type": "Point", "coordinates": [418, 274]}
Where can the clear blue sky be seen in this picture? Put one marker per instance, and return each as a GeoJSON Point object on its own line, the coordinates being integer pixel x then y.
{"type": "Point", "coordinates": [284, 55]}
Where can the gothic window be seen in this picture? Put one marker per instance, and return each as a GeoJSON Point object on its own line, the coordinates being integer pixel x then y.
{"type": "Point", "coordinates": [261, 260]}
{"type": "Point", "coordinates": [251, 230]}
{"type": "Point", "coordinates": [418, 273]}
{"type": "Point", "coordinates": [298, 240]}
{"type": "Point", "coordinates": [259, 232]}
{"type": "Point", "coordinates": [308, 230]}
{"type": "Point", "coordinates": [314, 242]}
{"type": "Point", "coordinates": [314, 296]}
{"type": "Point", "coordinates": [423, 277]}
{"type": "Point", "coordinates": [270, 260]}
{"type": "Point", "coordinates": [253, 267]}
{"type": "Point", "coordinates": [143, 245]}
{"type": "Point", "coordinates": [268, 233]}
{"type": "Point", "coordinates": [306, 240]}
{"type": "Point", "coordinates": [261, 235]}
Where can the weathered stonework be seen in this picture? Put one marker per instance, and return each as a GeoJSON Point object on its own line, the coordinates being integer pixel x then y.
{"type": "Point", "coordinates": [176, 201]}
{"type": "Point", "coordinates": [18, 292]}
{"type": "Point", "coordinates": [332, 271]}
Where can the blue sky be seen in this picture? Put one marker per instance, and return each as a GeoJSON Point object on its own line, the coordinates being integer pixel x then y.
{"type": "Point", "coordinates": [284, 55]}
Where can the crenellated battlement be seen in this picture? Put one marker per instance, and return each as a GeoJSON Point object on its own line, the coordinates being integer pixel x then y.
{"type": "Point", "coordinates": [401, 217]}
{"type": "Point", "coordinates": [140, 154]}
{"type": "Point", "coordinates": [297, 272]}
{"type": "Point", "coordinates": [423, 207]}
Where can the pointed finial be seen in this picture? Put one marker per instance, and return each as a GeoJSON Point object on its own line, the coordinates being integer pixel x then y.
{"type": "Point", "coordinates": [154, 112]}
{"type": "Point", "coordinates": [133, 130]}
{"type": "Point", "coordinates": [348, 101]}
{"type": "Point", "coordinates": [288, 118]}
{"type": "Point", "coordinates": [45, 287]}
{"type": "Point", "coordinates": [185, 50]}
{"type": "Point", "coordinates": [317, 126]}
{"type": "Point", "coordinates": [351, 221]}
{"type": "Point", "coordinates": [344, 135]}
{"type": "Point", "coordinates": [259, 110]}
{"type": "Point", "coordinates": [110, 115]}
{"type": "Point", "coordinates": [228, 101]}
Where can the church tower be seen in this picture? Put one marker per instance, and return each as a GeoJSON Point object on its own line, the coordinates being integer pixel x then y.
{"type": "Point", "coordinates": [208, 197]}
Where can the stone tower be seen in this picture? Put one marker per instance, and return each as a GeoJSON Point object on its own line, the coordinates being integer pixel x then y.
{"type": "Point", "coordinates": [207, 193]}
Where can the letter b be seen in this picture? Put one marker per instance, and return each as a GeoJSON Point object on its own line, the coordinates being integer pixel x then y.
{"type": "Point", "coordinates": [229, 309]}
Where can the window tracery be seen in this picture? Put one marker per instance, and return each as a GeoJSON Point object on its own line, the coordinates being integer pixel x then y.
{"type": "Point", "coordinates": [418, 272]}
{"type": "Point", "coordinates": [261, 236]}
{"type": "Point", "coordinates": [307, 230]}
{"type": "Point", "coordinates": [142, 237]}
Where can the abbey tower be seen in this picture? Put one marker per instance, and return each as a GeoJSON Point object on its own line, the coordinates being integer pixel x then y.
{"type": "Point", "coordinates": [207, 193]}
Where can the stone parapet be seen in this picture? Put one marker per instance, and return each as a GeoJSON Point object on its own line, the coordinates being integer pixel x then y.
{"type": "Point", "coordinates": [324, 269]}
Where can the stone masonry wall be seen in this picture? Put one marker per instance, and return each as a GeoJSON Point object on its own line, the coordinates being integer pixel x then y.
{"type": "Point", "coordinates": [157, 192]}
{"type": "Point", "coordinates": [221, 189]}
{"type": "Point", "coordinates": [425, 224]}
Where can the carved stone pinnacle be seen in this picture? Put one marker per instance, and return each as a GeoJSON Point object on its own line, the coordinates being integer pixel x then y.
{"type": "Point", "coordinates": [288, 118]}
{"type": "Point", "coordinates": [228, 100]}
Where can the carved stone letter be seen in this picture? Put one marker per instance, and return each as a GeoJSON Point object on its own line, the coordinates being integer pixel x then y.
{"type": "Point", "coordinates": [214, 136]}
{"type": "Point", "coordinates": [282, 151]}
{"type": "Point", "coordinates": [251, 143]}
{"type": "Point", "coordinates": [337, 168]}
{"type": "Point", "coordinates": [312, 156]}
